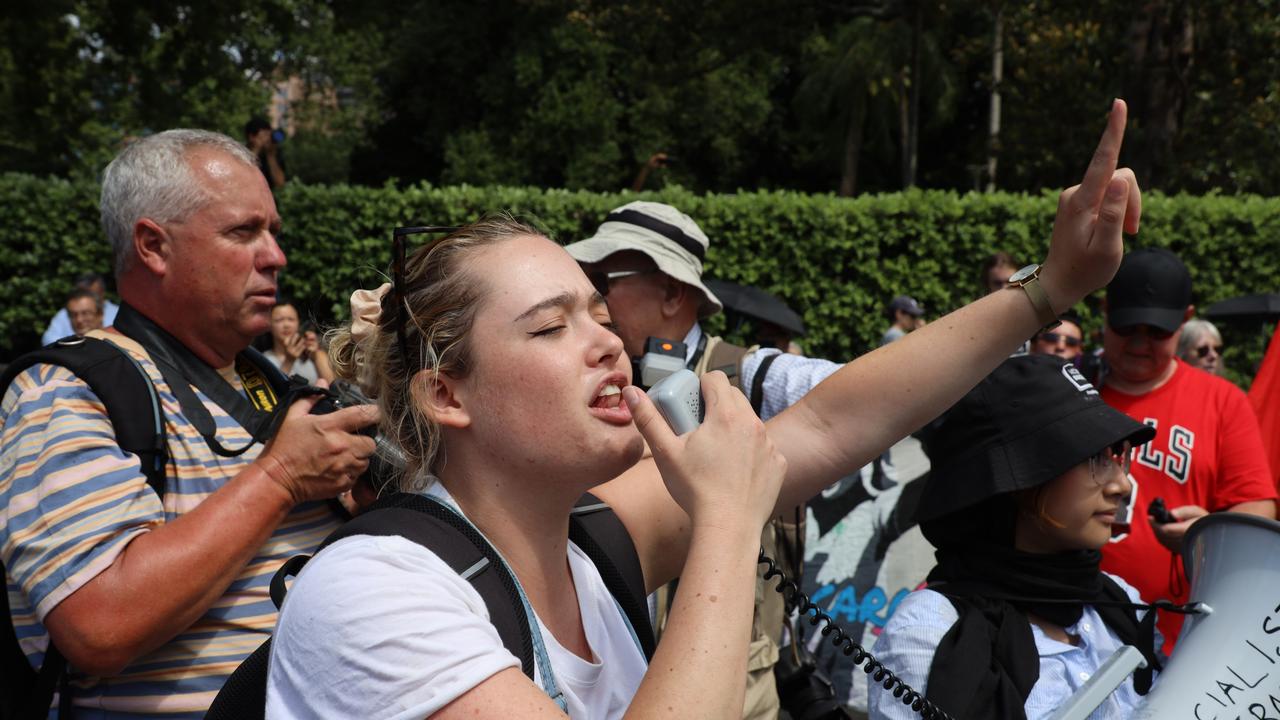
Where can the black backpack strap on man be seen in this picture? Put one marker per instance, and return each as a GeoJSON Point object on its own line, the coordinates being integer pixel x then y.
{"type": "Point", "coordinates": [593, 527]}
{"type": "Point", "coordinates": [123, 387]}
{"type": "Point", "coordinates": [134, 409]}
{"type": "Point", "coordinates": [757, 382]}
{"type": "Point", "coordinates": [133, 406]}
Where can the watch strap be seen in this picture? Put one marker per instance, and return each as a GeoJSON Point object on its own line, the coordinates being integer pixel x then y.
{"type": "Point", "coordinates": [1040, 301]}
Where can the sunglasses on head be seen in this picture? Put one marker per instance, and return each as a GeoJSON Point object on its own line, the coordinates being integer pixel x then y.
{"type": "Point", "coordinates": [1151, 331]}
{"type": "Point", "coordinates": [1203, 350]}
{"type": "Point", "coordinates": [1054, 338]}
{"type": "Point", "coordinates": [398, 274]}
{"type": "Point", "coordinates": [603, 281]}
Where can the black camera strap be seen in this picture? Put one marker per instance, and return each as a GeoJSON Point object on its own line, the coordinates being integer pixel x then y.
{"type": "Point", "coordinates": [258, 410]}
{"type": "Point", "coordinates": [697, 353]}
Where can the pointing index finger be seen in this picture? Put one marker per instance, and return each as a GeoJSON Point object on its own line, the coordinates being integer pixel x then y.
{"type": "Point", "coordinates": [662, 441]}
{"type": "Point", "coordinates": [1103, 165]}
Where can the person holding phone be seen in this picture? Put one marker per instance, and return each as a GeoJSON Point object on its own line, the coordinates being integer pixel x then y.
{"type": "Point", "coordinates": [264, 142]}
{"type": "Point", "coordinates": [294, 350]}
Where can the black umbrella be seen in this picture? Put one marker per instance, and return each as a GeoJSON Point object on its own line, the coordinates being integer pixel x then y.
{"type": "Point", "coordinates": [1264, 307]}
{"type": "Point", "coordinates": [758, 304]}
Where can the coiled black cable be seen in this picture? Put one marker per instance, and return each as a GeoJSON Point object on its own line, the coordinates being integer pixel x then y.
{"type": "Point", "coordinates": [795, 598]}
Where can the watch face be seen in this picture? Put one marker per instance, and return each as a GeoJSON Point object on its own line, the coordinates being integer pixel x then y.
{"type": "Point", "coordinates": [1024, 274]}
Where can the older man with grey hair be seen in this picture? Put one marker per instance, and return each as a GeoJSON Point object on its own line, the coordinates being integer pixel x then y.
{"type": "Point", "coordinates": [153, 599]}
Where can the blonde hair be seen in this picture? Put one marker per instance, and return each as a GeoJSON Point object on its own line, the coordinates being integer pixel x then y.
{"type": "Point", "coordinates": [440, 297]}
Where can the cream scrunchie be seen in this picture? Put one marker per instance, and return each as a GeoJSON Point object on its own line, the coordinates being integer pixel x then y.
{"type": "Point", "coordinates": [366, 313]}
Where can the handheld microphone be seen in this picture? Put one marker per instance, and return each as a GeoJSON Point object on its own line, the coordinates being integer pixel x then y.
{"type": "Point", "coordinates": [678, 397]}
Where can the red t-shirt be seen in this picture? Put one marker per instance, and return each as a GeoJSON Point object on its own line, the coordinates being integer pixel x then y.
{"type": "Point", "coordinates": [1207, 451]}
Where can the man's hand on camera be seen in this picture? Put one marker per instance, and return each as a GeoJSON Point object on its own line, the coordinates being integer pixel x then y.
{"type": "Point", "coordinates": [315, 457]}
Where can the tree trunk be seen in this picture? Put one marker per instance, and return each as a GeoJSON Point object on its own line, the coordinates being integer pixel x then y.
{"type": "Point", "coordinates": [913, 112]}
{"type": "Point", "coordinates": [904, 125]}
{"type": "Point", "coordinates": [853, 144]}
{"type": "Point", "coordinates": [1162, 38]}
{"type": "Point", "coordinates": [993, 121]}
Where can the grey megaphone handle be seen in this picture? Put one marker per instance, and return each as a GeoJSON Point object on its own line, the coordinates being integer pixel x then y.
{"type": "Point", "coordinates": [1097, 688]}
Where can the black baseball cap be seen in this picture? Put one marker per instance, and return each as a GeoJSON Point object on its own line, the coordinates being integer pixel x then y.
{"type": "Point", "coordinates": [906, 304]}
{"type": "Point", "coordinates": [1031, 420]}
{"type": "Point", "coordinates": [1152, 287]}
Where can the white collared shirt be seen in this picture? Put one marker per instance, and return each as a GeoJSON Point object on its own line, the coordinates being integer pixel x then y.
{"type": "Point", "coordinates": [788, 379]}
{"type": "Point", "coordinates": [908, 642]}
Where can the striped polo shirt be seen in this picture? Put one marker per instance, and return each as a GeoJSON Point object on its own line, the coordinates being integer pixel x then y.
{"type": "Point", "coordinates": [71, 500]}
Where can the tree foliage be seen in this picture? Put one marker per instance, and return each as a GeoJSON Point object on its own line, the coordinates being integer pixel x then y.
{"type": "Point", "coordinates": [812, 96]}
{"type": "Point", "coordinates": [80, 77]}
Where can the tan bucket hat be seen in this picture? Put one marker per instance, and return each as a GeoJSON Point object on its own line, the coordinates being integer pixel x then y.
{"type": "Point", "coordinates": [672, 239]}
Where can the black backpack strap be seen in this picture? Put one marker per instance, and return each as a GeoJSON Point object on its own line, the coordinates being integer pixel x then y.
{"type": "Point", "coordinates": [593, 527]}
{"type": "Point", "coordinates": [132, 403]}
{"type": "Point", "coordinates": [462, 547]}
{"type": "Point", "coordinates": [598, 532]}
{"type": "Point", "coordinates": [757, 382]}
{"type": "Point", "coordinates": [133, 406]}
{"type": "Point", "coordinates": [429, 524]}
{"type": "Point", "coordinates": [244, 695]}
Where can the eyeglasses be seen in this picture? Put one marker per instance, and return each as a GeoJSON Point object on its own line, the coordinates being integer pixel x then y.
{"type": "Point", "coordinates": [1054, 338]}
{"type": "Point", "coordinates": [1204, 350]}
{"type": "Point", "coordinates": [603, 281]}
{"type": "Point", "coordinates": [397, 275]}
{"type": "Point", "coordinates": [1151, 331]}
{"type": "Point", "coordinates": [1119, 455]}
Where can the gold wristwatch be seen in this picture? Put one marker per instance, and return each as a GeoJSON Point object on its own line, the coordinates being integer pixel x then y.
{"type": "Point", "coordinates": [1028, 278]}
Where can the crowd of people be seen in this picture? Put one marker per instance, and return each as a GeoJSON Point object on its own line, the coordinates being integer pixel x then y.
{"type": "Point", "coordinates": [503, 368]}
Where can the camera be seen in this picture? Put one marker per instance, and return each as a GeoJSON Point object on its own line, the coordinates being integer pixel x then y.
{"type": "Point", "coordinates": [387, 462]}
{"type": "Point", "coordinates": [277, 136]}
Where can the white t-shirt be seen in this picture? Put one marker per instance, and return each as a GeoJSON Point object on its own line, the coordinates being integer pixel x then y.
{"type": "Point", "coordinates": [380, 627]}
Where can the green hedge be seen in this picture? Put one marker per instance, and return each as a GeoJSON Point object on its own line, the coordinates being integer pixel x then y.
{"type": "Point", "coordinates": [835, 260]}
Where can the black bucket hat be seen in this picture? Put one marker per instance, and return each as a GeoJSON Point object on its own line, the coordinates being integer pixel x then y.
{"type": "Point", "coordinates": [1028, 422]}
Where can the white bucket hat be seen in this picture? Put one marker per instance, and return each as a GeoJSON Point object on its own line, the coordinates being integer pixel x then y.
{"type": "Point", "coordinates": [669, 237]}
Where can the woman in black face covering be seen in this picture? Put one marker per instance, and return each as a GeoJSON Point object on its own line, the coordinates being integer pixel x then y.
{"type": "Point", "coordinates": [1029, 471]}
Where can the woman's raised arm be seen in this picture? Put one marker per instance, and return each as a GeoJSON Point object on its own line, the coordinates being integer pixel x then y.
{"type": "Point", "coordinates": [871, 403]}
{"type": "Point", "coordinates": [881, 397]}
